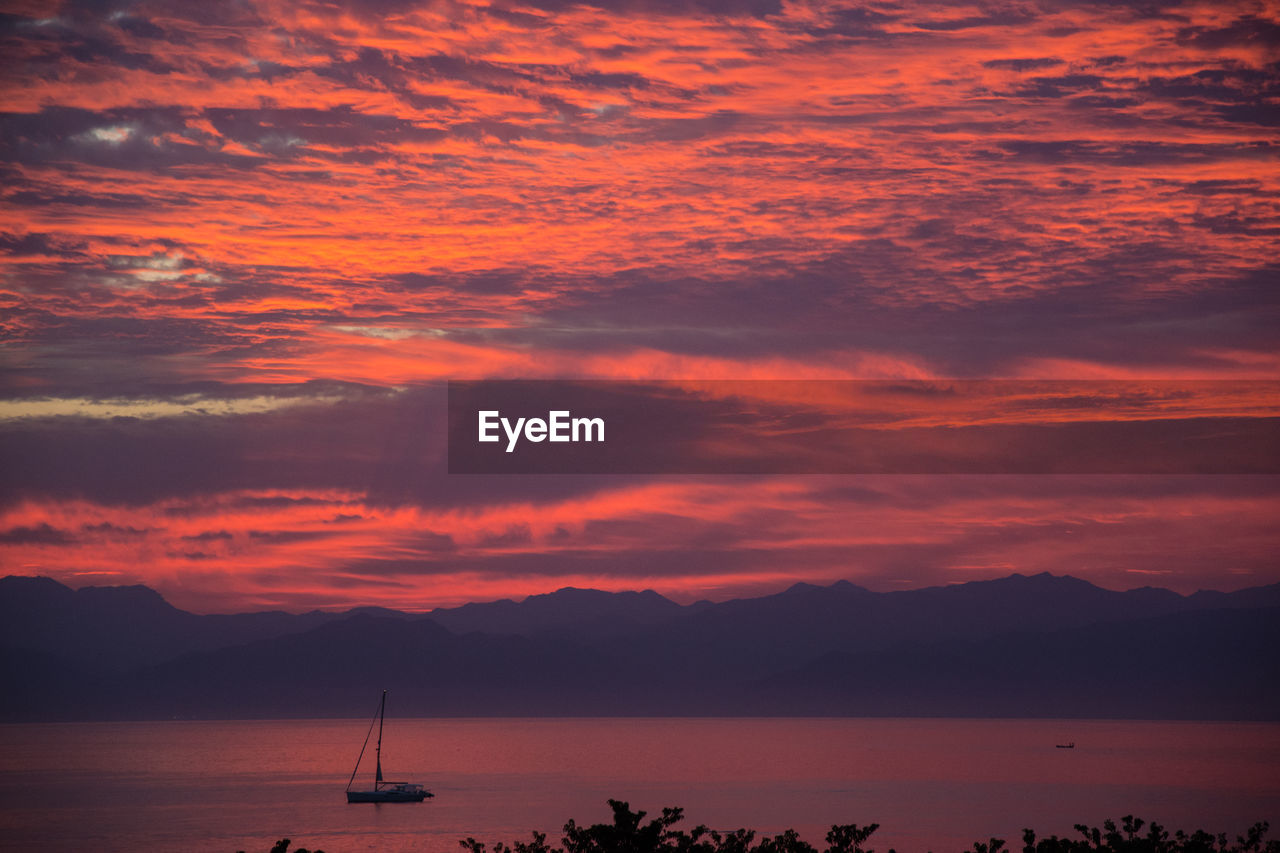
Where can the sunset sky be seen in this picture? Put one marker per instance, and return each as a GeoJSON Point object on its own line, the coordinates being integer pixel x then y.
{"type": "Point", "coordinates": [245, 244]}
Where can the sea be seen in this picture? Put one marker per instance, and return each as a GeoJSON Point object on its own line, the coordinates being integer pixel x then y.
{"type": "Point", "coordinates": [931, 784]}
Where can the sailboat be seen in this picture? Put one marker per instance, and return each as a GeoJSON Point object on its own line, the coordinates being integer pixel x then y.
{"type": "Point", "coordinates": [383, 791]}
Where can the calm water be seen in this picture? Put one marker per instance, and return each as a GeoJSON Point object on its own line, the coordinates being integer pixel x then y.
{"type": "Point", "coordinates": [931, 784]}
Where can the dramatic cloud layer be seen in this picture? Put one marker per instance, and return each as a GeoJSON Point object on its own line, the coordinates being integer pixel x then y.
{"type": "Point", "coordinates": [243, 244]}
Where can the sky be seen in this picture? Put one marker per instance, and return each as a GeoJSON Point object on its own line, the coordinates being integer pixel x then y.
{"type": "Point", "coordinates": [243, 246]}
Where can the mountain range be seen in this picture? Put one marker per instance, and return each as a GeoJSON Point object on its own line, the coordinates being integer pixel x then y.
{"type": "Point", "coordinates": [1038, 646]}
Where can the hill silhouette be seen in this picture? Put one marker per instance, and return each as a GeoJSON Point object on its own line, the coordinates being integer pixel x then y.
{"type": "Point", "coordinates": [1042, 645]}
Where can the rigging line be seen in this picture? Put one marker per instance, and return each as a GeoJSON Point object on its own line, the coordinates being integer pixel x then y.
{"type": "Point", "coordinates": [362, 748]}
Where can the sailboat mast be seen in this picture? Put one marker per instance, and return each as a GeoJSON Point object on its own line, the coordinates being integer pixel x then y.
{"type": "Point", "coordinates": [382, 712]}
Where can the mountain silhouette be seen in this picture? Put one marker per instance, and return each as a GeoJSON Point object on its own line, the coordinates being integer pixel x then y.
{"type": "Point", "coordinates": [116, 628]}
{"type": "Point", "coordinates": [1038, 645]}
{"type": "Point", "coordinates": [584, 612]}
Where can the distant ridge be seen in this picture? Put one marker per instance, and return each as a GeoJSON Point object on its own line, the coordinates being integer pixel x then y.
{"type": "Point", "coordinates": [569, 609]}
{"type": "Point", "coordinates": [1038, 645]}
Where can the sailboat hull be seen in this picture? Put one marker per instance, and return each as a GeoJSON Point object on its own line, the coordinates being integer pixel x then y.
{"type": "Point", "coordinates": [388, 795]}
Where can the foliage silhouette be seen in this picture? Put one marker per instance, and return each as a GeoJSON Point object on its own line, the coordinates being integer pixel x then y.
{"type": "Point", "coordinates": [1129, 838]}
{"type": "Point", "coordinates": [630, 834]}
{"type": "Point", "coordinates": [282, 846]}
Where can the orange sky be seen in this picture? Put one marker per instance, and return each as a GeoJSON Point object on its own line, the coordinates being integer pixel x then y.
{"type": "Point", "coordinates": [242, 246]}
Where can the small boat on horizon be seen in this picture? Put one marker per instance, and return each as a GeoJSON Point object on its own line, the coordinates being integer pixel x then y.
{"type": "Point", "coordinates": [383, 792]}
{"type": "Point", "coordinates": [1070, 745]}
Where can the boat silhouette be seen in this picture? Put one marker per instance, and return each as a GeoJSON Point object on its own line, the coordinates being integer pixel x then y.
{"type": "Point", "coordinates": [383, 791]}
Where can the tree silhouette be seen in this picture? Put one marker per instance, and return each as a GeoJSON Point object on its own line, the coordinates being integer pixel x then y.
{"type": "Point", "coordinates": [1129, 838]}
{"type": "Point", "coordinates": [282, 846]}
{"type": "Point", "coordinates": [630, 833]}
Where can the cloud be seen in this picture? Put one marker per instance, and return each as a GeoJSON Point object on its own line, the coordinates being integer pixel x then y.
{"type": "Point", "coordinates": [39, 534]}
{"type": "Point", "coordinates": [1029, 64]}
{"type": "Point", "coordinates": [1247, 31]}
{"type": "Point", "coordinates": [689, 538]}
{"type": "Point", "coordinates": [247, 241]}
